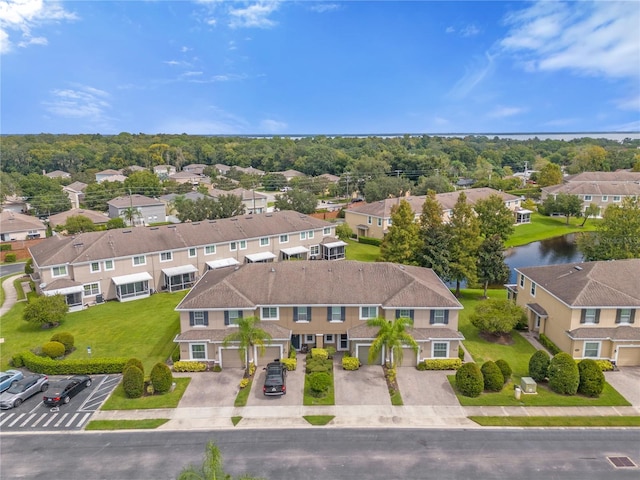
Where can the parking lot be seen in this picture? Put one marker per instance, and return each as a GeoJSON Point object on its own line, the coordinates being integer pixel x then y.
{"type": "Point", "coordinates": [33, 415]}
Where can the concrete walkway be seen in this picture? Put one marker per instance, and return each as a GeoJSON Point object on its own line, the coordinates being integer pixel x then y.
{"type": "Point", "coordinates": [10, 294]}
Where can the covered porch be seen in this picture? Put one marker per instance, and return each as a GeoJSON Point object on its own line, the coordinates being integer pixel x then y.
{"type": "Point", "coordinates": [132, 287]}
{"type": "Point", "coordinates": [222, 263]}
{"type": "Point", "coordinates": [333, 250]}
{"type": "Point", "coordinates": [522, 216]}
{"type": "Point", "coordinates": [294, 253]}
{"type": "Point", "coordinates": [71, 291]}
{"type": "Point", "coordinates": [263, 257]}
{"type": "Point", "coordinates": [179, 278]}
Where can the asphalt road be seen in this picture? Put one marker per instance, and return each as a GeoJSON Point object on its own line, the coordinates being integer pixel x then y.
{"type": "Point", "coordinates": [10, 268]}
{"type": "Point", "coordinates": [328, 453]}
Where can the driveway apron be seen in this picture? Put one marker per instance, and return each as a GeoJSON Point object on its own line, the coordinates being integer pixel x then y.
{"type": "Point", "coordinates": [430, 387]}
{"type": "Point", "coordinates": [211, 389]}
{"type": "Point", "coordinates": [366, 386]}
{"type": "Point", "coordinates": [295, 389]}
{"type": "Point", "coordinates": [627, 382]}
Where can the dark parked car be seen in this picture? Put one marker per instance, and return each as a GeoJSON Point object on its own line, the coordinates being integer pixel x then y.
{"type": "Point", "coordinates": [275, 379]}
{"type": "Point", "coordinates": [23, 389]}
{"type": "Point", "coordinates": [62, 391]}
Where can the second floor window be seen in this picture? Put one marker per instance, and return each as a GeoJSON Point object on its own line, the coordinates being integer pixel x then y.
{"type": "Point", "coordinates": [59, 271]}
{"type": "Point", "coordinates": [368, 312]}
{"type": "Point", "coordinates": [139, 260]}
{"type": "Point", "coordinates": [270, 313]}
{"type": "Point", "coordinates": [264, 242]}
{"type": "Point", "coordinates": [166, 256]}
{"type": "Point", "coordinates": [284, 238]}
{"type": "Point", "coordinates": [95, 267]}
{"type": "Point", "coordinates": [209, 249]}
{"type": "Point", "coordinates": [590, 315]}
{"type": "Point", "coordinates": [335, 314]}
{"type": "Point", "coordinates": [625, 315]}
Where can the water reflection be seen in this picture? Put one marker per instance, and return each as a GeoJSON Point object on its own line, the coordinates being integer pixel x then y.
{"type": "Point", "coordinates": [545, 252]}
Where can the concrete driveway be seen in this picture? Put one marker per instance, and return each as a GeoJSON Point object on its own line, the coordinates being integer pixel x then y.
{"type": "Point", "coordinates": [627, 382]}
{"type": "Point", "coordinates": [295, 389]}
{"type": "Point", "coordinates": [211, 389]}
{"type": "Point", "coordinates": [366, 386]}
{"type": "Point", "coordinates": [430, 387]}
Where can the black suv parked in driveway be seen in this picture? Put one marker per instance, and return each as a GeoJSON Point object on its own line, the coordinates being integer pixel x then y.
{"type": "Point", "coordinates": [275, 379]}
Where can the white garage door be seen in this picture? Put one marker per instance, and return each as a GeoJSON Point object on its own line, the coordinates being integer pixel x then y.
{"type": "Point", "coordinates": [628, 357]}
{"type": "Point", "coordinates": [409, 357]}
{"type": "Point", "coordinates": [270, 354]}
{"type": "Point", "coordinates": [363, 355]}
{"type": "Point", "coordinates": [231, 358]}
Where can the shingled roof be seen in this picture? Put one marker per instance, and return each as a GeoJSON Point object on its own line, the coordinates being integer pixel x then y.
{"type": "Point", "coordinates": [93, 246]}
{"type": "Point", "coordinates": [320, 283]}
{"type": "Point", "coordinates": [614, 283]}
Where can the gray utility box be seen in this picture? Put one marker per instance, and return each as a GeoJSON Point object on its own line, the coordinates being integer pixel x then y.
{"type": "Point", "coordinates": [528, 385]}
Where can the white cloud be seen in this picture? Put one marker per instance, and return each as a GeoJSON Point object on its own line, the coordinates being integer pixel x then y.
{"type": "Point", "coordinates": [21, 17]}
{"type": "Point", "coordinates": [473, 76]}
{"type": "Point", "coordinates": [191, 74]}
{"type": "Point", "coordinates": [502, 112]}
{"type": "Point", "coordinates": [269, 125]}
{"type": "Point", "coordinates": [216, 122]}
{"type": "Point", "coordinates": [470, 31]}
{"type": "Point", "coordinates": [450, 30]}
{"type": "Point", "coordinates": [79, 102]}
{"type": "Point", "coordinates": [324, 7]}
{"type": "Point", "coordinates": [594, 38]}
{"type": "Point", "coordinates": [253, 16]}
{"type": "Point", "coordinates": [631, 102]}
{"type": "Point", "coordinates": [631, 127]}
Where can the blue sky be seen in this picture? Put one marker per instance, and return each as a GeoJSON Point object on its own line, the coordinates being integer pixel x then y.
{"type": "Point", "coordinates": [304, 67]}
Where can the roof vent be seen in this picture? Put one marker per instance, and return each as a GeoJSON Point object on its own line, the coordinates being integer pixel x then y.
{"type": "Point", "coordinates": [153, 228]}
{"type": "Point", "coordinates": [273, 270]}
{"type": "Point", "coordinates": [171, 226]}
{"type": "Point", "coordinates": [126, 231]}
{"type": "Point", "coordinates": [578, 267]}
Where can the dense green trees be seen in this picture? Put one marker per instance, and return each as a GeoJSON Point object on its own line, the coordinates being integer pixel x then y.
{"type": "Point", "coordinates": [496, 316]}
{"type": "Point", "coordinates": [46, 310]}
{"type": "Point", "coordinates": [464, 228]}
{"type": "Point", "coordinates": [564, 204]}
{"type": "Point", "coordinates": [77, 224]}
{"type": "Point", "coordinates": [492, 268]}
{"type": "Point", "coordinates": [402, 241]}
{"type": "Point", "coordinates": [494, 216]}
{"type": "Point", "coordinates": [298, 200]}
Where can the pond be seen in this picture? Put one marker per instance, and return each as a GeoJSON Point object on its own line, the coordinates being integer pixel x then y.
{"type": "Point", "coordinates": [545, 252]}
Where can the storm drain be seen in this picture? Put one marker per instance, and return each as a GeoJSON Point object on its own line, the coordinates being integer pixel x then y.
{"type": "Point", "coordinates": [621, 462]}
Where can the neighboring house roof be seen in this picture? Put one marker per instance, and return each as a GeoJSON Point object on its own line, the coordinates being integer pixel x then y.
{"type": "Point", "coordinates": [76, 187]}
{"type": "Point", "coordinates": [617, 334]}
{"type": "Point", "coordinates": [447, 201]}
{"type": "Point", "coordinates": [291, 173]}
{"type": "Point", "coordinates": [238, 192]}
{"type": "Point", "coordinates": [249, 170]}
{"type": "Point", "coordinates": [619, 176]}
{"type": "Point", "coordinates": [17, 222]}
{"type": "Point", "coordinates": [91, 246]}
{"type": "Point", "coordinates": [136, 168]}
{"type": "Point", "coordinates": [366, 332]}
{"type": "Point", "coordinates": [61, 218]}
{"type": "Point", "coordinates": [330, 177]}
{"type": "Point", "coordinates": [614, 283]}
{"type": "Point", "coordinates": [109, 171]}
{"type": "Point", "coordinates": [133, 201]}
{"type": "Point", "coordinates": [594, 188]}
{"type": "Point", "coordinates": [57, 174]}
{"type": "Point", "coordinates": [320, 283]}
{"type": "Point", "coordinates": [189, 196]}
{"type": "Point", "coordinates": [114, 178]}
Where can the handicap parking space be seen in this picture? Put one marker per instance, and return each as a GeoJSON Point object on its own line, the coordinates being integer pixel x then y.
{"type": "Point", "coordinates": [34, 415]}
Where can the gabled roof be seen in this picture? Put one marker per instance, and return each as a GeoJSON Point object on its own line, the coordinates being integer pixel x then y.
{"type": "Point", "coordinates": [61, 218]}
{"type": "Point", "coordinates": [189, 196]}
{"type": "Point", "coordinates": [320, 283]}
{"type": "Point", "coordinates": [595, 188]}
{"type": "Point", "coordinates": [109, 171]}
{"type": "Point", "coordinates": [92, 246]}
{"type": "Point", "coordinates": [57, 174]}
{"type": "Point", "coordinates": [17, 222]}
{"type": "Point", "coordinates": [133, 201]}
{"type": "Point", "coordinates": [619, 176]}
{"type": "Point", "coordinates": [614, 283]}
{"type": "Point", "coordinates": [75, 187]}
{"type": "Point", "coordinates": [243, 193]}
{"type": "Point", "coordinates": [448, 200]}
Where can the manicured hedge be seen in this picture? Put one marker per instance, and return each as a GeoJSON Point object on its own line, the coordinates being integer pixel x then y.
{"type": "Point", "coordinates": [440, 364]}
{"type": "Point", "coordinates": [505, 368]}
{"type": "Point", "coordinates": [69, 367]}
{"type": "Point", "coordinates": [64, 338]}
{"type": "Point", "coordinates": [188, 366]}
{"type": "Point", "coordinates": [161, 378]}
{"type": "Point", "coordinates": [539, 366]}
{"type": "Point", "coordinates": [53, 349]}
{"type": "Point", "coordinates": [133, 382]}
{"type": "Point", "coordinates": [493, 378]}
{"type": "Point", "coordinates": [319, 383]}
{"type": "Point", "coordinates": [320, 353]}
{"type": "Point", "coordinates": [370, 241]}
{"type": "Point", "coordinates": [549, 345]}
{"type": "Point", "coordinates": [604, 365]}
{"type": "Point", "coordinates": [350, 363]}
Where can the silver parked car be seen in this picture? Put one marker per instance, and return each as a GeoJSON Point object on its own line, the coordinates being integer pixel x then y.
{"type": "Point", "coordinates": [23, 389]}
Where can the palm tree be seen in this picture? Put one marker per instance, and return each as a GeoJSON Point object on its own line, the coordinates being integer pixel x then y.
{"type": "Point", "coordinates": [211, 468]}
{"type": "Point", "coordinates": [130, 214]}
{"type": "Point", "coordinates": [249, 334]}
{"type": "Point", "coordinates": [392, 336]}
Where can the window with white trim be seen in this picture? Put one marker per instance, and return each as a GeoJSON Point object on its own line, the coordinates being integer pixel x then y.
{"type": "Point", "coordinates": [198, 351]}
{"type": "Point", "coordinates": [166, 256]}
{"type": "Point", "coordinates": [440, 350]}
{"type": "Point", "coordinates": [304, 314]}
{"type": "Point", "coordinates": [533, 289]}
{"type": "Point", "coordinates": [329, 338]}
{"type": "Point", "coordinates": [314, 250]}
{"type": "Point", "coordinates": [591, 350]}
{"type": "Point", "coordinates": [336, 314]}
{"type": "Point", "coordinates": [369, 220]}
{"type": "Point", "coordinates": [109, 265]}
{"type": "Point", "coordinates": [192, 252]}
{"type": "Point", "coordinates": [605, 198]}
{"type": "Point", "coordinates": [521, 280]}
{"type": "Point", "coordinates": [264, 242]}
{"type": "Point", "coordinates": [210, 250]}
{"type": "Point", "coordinates": [587, 198]}
{"type": "Point", "coordinates": [370, 311]}
{"type": "Point", "coordinates": [624, 315]}
{"type": "Point", "coordinates": [95, 267]}
{"type": "Point", "coordinates": [616, 198]}
{"type": "Point", "coordinates": [91, 289]}
{"type": "Point", "coordinates": [439, 317]}
{"type": "Point", "coordinates": [389, 222]}
{"type": "Point", "coordinates": [233, 246]}
{"type": "Point", "coordinates": [284, 238]}
{"type": "Point", "coordinates": [243, 244]}
{"type": "Point", "coordinates": [309, 339]}
{"type": "Point", "coordinates": [311, 234]}
{"type": "Point", "coordinates": [303, 235]}
{"type": "Point", "coordinates": [270, 313]}
{"type": "Point", "coordinates": [379, 222]}
{"type": "Point", "coordinates": [198, 319]}
{"type": "Point", "coordinates": [59, 271]}
{"type": "Point", "coordinates": [234, 316]}
{"type": "Point", "coordinates": [404, 313]}
{"type": "Point", "coordinates": [326, 231]}
{"type": "Point", "coordinates": [139, 260]}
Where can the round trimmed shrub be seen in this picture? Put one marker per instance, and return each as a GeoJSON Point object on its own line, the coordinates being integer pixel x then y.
{"type": "Point", "coordinates": [505, 368]}
{"type": "Point", "coordinates": [564, 376]}
{"type": "Point", "coordinates": [539, 366]}
{"type": "Point", "coordinates": [161, 378]}
{"type": "Point", "coordinates": [319, 383]}
{"type": "Point", "coordinates": [53, 349]}
{"type": "Point", "coordinates": [64, 338]}
{"type": "Point", "coordinates": [469, 380]}
{"type": "Point", "coordinates": [133, 381]}
{"type": "Point", "coordinates": [493, 378]}
{"type": "Point", "coordinates": [591, 378]}
{"type": "Point", "coordinates": [136, 362]}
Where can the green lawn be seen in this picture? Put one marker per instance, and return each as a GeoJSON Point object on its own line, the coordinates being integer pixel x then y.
{"type": "Point", "coordinates": [362, 252]}
{"type": "Point", "coordinates": [243, 395]}
{"type": "Point", "coordinates": [119, 401]}
{"type": "Point", "coordinates": [318, 420]}
{"type": "Point", "coordinates": [542, 227]}
{"type": "Point", "coordinates": [557, 421]}
{"type": "Point", "coordinates": [126, 424]}
{"type": "Point", "coordinates": [517, 355]}
{"type": "Point", "coordinates": [142, 328]}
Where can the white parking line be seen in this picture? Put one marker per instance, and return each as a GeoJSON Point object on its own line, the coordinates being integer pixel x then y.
{"type": "Point", "coordinates": [29, 418]}
{"type": "Point", "coordinates": [61, 420]}
{"type": "Point", "coordinates": [84, 419]}
{"type": "Point", "coordinates": [72, 419]}
{"type": "Point", "coordinates": [6, 416]}
{"type": "Point", "coordinates": [50, 420]}
{"type": "Point", "coordinates": [16, 420]}
{"type": "Point", "coordinates": [42, 417]}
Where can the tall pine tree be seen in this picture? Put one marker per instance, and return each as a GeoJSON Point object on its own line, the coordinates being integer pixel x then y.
{"type": "Point", "coordinates": [434, 238]}
{"type": "Point", "coordinates": [464, 228]}
{"type": "Point", "coordinates": [401, 243]}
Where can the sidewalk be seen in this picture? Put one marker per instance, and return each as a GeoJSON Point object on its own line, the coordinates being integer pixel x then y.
{"type": "Point", "coordinates": [10, 295]}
